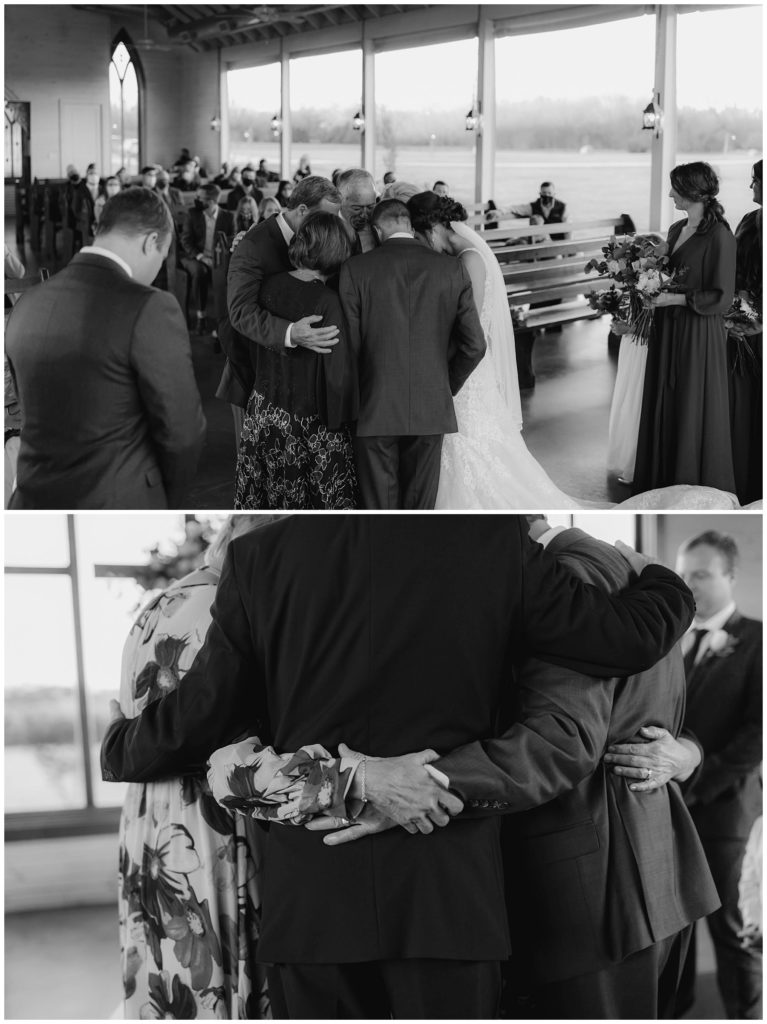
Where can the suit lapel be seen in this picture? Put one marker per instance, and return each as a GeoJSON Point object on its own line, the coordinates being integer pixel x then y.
{"type": "Point", "coordinates": [709, 659]}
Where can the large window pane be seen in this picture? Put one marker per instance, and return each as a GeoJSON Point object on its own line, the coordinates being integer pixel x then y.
{"type": "Point", "coordinates": [569, 111]}
{"type": "Point", "coordinates": [43, 752]}
{"type": "Point", "coordinates": [720, 98]}
{"type": "Point", "coordinates": [36, 541]}
{"type": "Point", "coordinates": [422, 97]}
{"type": "Point", "coordinates": [254, 99]}
{"type": "Point", "coordinates": [325, 94]}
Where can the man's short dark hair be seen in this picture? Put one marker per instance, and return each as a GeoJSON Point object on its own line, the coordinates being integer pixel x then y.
{"type": "Point", "coordinates": [135, 211]}
{"type": "Point", "coordinates": [436, 183]}
{"type": "Point", "coordinates": [323, 242]}
{"type": "Point", "coordinates": [721, 542]}
{"type": "Point", "coordinates": [210, 191]}
{"type": "Point", "coordinates": [149, 170]}
{"type": "Point", "coordinates": [547, 184]}
{"type": "Point", "coordinates": [311, 191]}
{"type": "Point", "coordinates": [388, 211]}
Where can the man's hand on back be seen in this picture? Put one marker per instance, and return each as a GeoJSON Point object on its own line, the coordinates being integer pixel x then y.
{"type": "Point", "coordinates": [318, 339]}
{"type": "Point", "coordinates": [401, 789]}
{"type": "Point", "coordinates": [635, 560]}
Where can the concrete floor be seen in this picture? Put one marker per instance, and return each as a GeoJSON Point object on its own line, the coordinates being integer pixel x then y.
{"type": "Point", "coordinates": [65, 965]}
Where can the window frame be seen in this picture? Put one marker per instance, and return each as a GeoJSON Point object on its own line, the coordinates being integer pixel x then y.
{"type": "Point", "coordinates": [123, 37]}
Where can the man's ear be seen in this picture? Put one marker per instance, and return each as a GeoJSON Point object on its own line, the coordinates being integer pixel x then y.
{"type": "Point", "coordinates": [150, 243]}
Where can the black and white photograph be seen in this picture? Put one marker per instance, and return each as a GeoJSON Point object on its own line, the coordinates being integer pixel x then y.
{"type": "Point", "coordinates": [382, 521]}
{"type": "Point", "coordinates": [335, 766]}
{"type": "Point", "coordinates": [389, 257]}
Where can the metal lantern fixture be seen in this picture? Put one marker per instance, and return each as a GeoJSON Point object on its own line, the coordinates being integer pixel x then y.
{"type": "Point", "coordinates": [358, 121]}
{"type": "Point", "coordinates": [652, 118]}
{"type": "Point", "coordinates": [472, 120]}
{"type": "Point", "coordinates": [215, 123]}
{"type": "Point", "coordinates": [276, 125]}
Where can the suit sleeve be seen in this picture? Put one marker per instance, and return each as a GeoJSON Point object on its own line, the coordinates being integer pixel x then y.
{"type": "Point", "coordinates": [558, 740]}
{"type": "Point", "coordinates": [467, 339]}
{"type": "Point", "coordinates": [162, 360]}
{"type": "Point", "coordinates": [243, 284]}
{"type": "Point", "coordinates": [188, 240]}
{"type": "Point", "coordinates": [570, 623]}
{"type": "Point", "coordinates": [350, 301]}
{"type": "Point", "coordinates": [724, 769]}
{"type": "Point", "coordinates": [221, 696]}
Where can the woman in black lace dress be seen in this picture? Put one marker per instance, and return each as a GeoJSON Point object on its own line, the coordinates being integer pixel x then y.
{"type": "Point", "coordinates": [295, 447]}
{"type": "Point", "coordinates": [745, 355]}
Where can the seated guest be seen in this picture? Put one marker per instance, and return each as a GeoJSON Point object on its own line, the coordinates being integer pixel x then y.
{"type": "Point", "coordinates": [110, 412]}
{"type": "Point", "coordinates": [111, 188]}
{"type": "Point", "coordinates": [188, 179]}
{"type": "Point", "coordinates": [83, 205]}
{"type": "Point", "coordinates": [263, 175]}
{"type": "Point", "coordinates": [224, 178]}
{"type": "Point", "coordinates": [171, 196]}
{"type": "Point", "coordinates": [245, 216]}
{"type": "Point", "coordinates": [268, 207]}
{"type": "Point", "coordinates": [246, 187]}
{"type": "Point", "coordinates": [440, 188]}
{"type": "Point", "coordinates": [283, 193]}
{"type": "Point", "coordinates": [358, 200]}
{"type": "Point", "coordinates": [123, 177]}
{"type": "Point", "coordinates": [295, 448]}
{"type": "Point", "coordinates": [149, 177]}
{"type": "Point", "coordinates": [304, 169]}
{"type": "Point", "coordinates": [205, 220]}
{"type": "Point", "coordinates": [389, 178]}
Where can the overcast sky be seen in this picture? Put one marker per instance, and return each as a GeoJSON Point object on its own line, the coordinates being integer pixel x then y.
{"type": "Point", "coordinates": [719, 65]}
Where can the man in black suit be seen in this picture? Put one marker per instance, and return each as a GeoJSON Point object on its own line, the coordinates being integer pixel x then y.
{"type": "Point", "coordinates": [413, 322]}
{"type": "Point", "coordinates": [723, 662]}
{"type": "Point", "coordinates": [262, 252]}
{"type": "Point", "coordinates": [206, 222]}
{"type": "Point", "coordinates": [83, 205]}
{"type": "Point", "coordinates": [111, 415]}
{"type": "Point", "coordinates": [429, 614]}
{"type": "Point", "coordinates": [246, 187]}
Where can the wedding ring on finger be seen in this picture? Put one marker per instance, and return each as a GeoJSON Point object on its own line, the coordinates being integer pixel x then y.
{"type": "Point", "coordinates": [649, 773]}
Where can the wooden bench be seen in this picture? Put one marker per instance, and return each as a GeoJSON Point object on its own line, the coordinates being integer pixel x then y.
{"type": "Point", "coordinates": [546, 281]}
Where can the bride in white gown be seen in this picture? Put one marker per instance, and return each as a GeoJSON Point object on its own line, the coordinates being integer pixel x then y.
{"type": "Point", "coordinates": [486, 465]}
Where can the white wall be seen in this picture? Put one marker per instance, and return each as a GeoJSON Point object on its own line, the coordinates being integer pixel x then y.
{"type": "Point", "coordinates": [56, 54]}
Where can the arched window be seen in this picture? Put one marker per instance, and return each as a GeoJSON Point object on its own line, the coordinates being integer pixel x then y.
{"type": "Point", "coordinates": [124, 86]}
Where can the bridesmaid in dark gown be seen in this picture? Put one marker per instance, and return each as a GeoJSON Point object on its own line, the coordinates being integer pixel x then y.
{"type": "Point", "coordinates": [746, 359]}
{"type": "Point", "coordinates": [684, 430]}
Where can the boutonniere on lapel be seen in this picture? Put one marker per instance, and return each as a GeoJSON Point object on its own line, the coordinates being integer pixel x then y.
{"type": "Point", "coordinates": [721, 644]}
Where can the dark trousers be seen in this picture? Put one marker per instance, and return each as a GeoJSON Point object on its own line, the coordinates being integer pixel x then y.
{"type": "Point", "coordinates": [415, 989]}
{"type": "Point", "coordinates": [738, 961]}
{"type": "Point", "coordinates": [199, 281]}
{"type": "Point", "coordinates": [398, 472]}
{"type": "Point", "coordinates": [643, 986]}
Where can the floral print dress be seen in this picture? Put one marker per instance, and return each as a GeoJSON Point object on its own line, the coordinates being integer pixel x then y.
{"type": "Point", "coordinates": [188, 875]}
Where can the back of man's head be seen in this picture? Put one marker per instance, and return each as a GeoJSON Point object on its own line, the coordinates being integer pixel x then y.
{"type": "Point", "coordinates": [390, 216]}
{"type": "Point", "coordinates": [311, 191]}
{"type": "Point", "coordinates": [135, 211]}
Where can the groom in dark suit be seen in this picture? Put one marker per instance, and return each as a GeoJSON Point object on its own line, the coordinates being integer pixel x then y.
{"type": "Point", "coordinates": [723, 662]}
{"type": "Point", "coordinates": [413, 321]}
{"type": "Point", "coordinates": [111, 414]}
{"type": "Point", "coordinates": [391, 633]}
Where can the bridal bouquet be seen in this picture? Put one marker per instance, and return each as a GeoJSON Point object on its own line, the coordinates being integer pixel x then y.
{"type": "Point", "coordinates": [255, 781]}
{"type": "Point", "coordinates": [742, 321]}
{"type": "Point", "coordinates": [639, 265]}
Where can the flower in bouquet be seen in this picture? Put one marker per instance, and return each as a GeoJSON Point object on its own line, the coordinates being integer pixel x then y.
{"type": "Point", "coordinates": [639, 264]}
{"type": "Point", "coordinates": [742, 322]}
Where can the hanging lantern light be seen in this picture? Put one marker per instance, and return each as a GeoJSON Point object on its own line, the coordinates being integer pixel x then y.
{"type": "Point", "coordinates": [472, 120]}
{"type": "Point", "coordinates": [358, 121]}
{"type": "Point", "coordinates": [276, 125]}
{"type": "Point", "coordinates": [215, 123]}
{"type": "Point", "coordinates": [652, 118]}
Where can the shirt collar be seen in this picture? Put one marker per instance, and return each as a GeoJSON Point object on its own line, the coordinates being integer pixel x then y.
{"type": "Point", "coordinates": [401, 234]}
{"type": "Point", "coordinates": [285, 228]}
{"type": "Point", "coordinates": [549, 535]}
{"type": "Point", "coordinates": [96, 250]}
{"type": "Point", "coordinates": [716, 621]}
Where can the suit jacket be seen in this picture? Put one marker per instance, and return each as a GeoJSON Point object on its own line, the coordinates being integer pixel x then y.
{"type": "Point", "coordinates": [391, 633]}
{"type": "Point", "coordinates": [262, 252]}
{"type": "Point", "coordinates": [406, 305]}
{"type": "Point", "coordinates": [83, 210]}
{"type": "Point", "coordinates": [595, 872]}
{"type": "Point", "coordinates": [724, 711]}
{"type": "Point", "coordinates": [238, 193]}
{"type": "Point", "coordinates": [111, 415]}
{"type": "Point", "coordinates": [193, 233]}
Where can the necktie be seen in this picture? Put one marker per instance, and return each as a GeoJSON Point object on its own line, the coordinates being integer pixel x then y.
{"type": "Point", "coordinates": [689, 658]}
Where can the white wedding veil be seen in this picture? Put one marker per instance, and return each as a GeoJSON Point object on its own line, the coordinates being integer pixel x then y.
{"type": "Point", "coordinates": [496, 321]}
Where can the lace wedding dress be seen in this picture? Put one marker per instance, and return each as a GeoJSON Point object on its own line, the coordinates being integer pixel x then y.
{"type": "Point", "coordinates": [486, 465]}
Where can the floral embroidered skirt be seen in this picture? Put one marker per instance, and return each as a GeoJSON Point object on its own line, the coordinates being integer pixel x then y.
{"type": "Point", "coordinates": [293, 462]}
